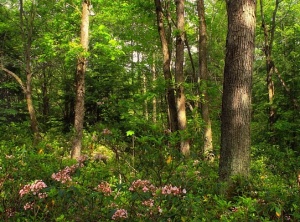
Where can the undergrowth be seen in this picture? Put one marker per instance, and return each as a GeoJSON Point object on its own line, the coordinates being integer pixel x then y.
{"type": "Point", "coordinates": [141, 177]}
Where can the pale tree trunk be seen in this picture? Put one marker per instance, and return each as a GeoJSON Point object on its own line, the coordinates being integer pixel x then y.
{"type": "Point", "coordinates": [26, 32]}
{"type": "Point", "coordinates": [203, 73]}
{"type": "Point", "coordinates": [171, 102]}
{"type": "Point", "coordinates": [236, 100]}
{"type": "Point", "coordinates": [80, 83]}
{"type": "Point", "coordinates": [45, 96]}
{"type": "Point", "coordinates": [146, 113]}
{"type": "Point", "coordinates": [154, 103]}
{"type": "Point", "coordinates": [179, 77]}
{"type": "Point", "coordinates": [270, 66]}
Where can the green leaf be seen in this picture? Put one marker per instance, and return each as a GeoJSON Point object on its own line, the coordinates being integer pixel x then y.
{"type": "Point", "coordinates": [129, 133]}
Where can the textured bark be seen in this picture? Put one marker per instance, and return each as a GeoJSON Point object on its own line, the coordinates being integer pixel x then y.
{"type": "Point", "coordinates": [203, 73]}
{"type": "Point", "coordinates": [179, 76]}
{"type": "Point", "coordinates": [171, 102]}
{"type": "Point", "coordinates": [236, 100]}
{"type": "Point", "coordinates": [80, 83]}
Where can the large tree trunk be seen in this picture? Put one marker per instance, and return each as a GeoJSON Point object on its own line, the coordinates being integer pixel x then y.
{"type": "Point", "coordinates": [171, 102]}
{"type": "Point", "coordinates": [203, 73]}
{"type": "Point", "coordinates": [179, 77]}
{"type": "Point", "coordinates": [80, 83]}
{"type": "Point", "coordinates": [236, 101]}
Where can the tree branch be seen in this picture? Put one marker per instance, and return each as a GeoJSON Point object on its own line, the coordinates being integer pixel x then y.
{"type": "Point", "coordinates": [17, 78]}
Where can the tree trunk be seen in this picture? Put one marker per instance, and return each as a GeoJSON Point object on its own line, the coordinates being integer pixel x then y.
{"type": "Point", "coordinates": [80, 83]}
{"type": "Point", "coordinates": [144, 80]}
{"type": "Point", "coordinates": [179, 77]}
{"type": "Point", "coordinates": [203, 73]}
{"type": "Point", "coordinates": [45, 95]}
{"type": "Point", "coordinates": [270, 66]}
{"type": "Point", "coordinates": [236, 100]}
{"type": "Point", "coordinates": [27, 32]}
{"type": "Point", "coordinates": [171, 102]}
{"type": "Point", "coordinates": [154, 103]}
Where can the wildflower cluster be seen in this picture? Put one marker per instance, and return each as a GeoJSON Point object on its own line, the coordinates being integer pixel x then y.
{"type": "Point", "coordinates": [64, 175]}
{"type": "Point", "coordinates": [34, 188]}
{"type": "Point", "coordinates": [29, 206]}
{"type": "Point", "coordinates": [9, 212]}
{"type": "Point", "coordinates": [120, 213]}
{"type": "Point", "coordinates": [105, 188]}
{"type": "Point", "coordinates": [170, 190]}
{"type": "Point", "coordinates": [148, 203]}
{"type": "Point", "coordinates": [143, 185]}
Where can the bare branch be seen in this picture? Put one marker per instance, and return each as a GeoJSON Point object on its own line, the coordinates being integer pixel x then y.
{"type": "Point", "coordinates": [15, 76]}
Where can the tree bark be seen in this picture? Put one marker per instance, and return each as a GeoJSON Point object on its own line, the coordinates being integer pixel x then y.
{"type": "Point", "coordinates": [80, 83]}
{"type": "Point", "coordinates": [179, 77]}
{"type": "Point", "coordinates": [171, 102]}
{"type": "Point", "coordinates": [27, 32]}
{"type": "Point", "coordinates": [203, 73]}
{"type": "Point", "coordinates": [236, 100]}
{"type": "Point", "coordinates": [270, 66]}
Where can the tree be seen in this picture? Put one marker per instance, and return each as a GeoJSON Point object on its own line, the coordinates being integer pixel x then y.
{"type": "Point", "coordinates": [270, 66]}
{"type": "Point", "coordinates": [236, 100]}
{"type": "Point", "coordinates": [165, 42]}
{"type": "Point", "coordinates": [203, 75]}
{"type": "Point", "coordinates": [179, 76]}
{"type": "Point", "coordinates": [26, 24]}
{"type": "Point", "coordinates": [80, 82]}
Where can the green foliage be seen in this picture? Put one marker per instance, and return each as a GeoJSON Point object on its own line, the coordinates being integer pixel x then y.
{"type": "Point", "coordinates": [138, 179]}
{"type": "Point", "coordinates": [123, 143]}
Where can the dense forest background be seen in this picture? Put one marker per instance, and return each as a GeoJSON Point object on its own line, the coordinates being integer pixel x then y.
{"type": "Point", "coordinates": [135, 163]}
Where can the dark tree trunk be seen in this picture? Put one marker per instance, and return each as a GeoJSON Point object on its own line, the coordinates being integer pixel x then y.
{"type": "Point", "coordinates": [171, 102]}
{"type": "Point", "coordinates": [270, 66]}
{"type": "Point", "coordinates": [236, 101]}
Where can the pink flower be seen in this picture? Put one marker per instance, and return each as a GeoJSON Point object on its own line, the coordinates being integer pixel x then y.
{"type": "Point", "coordinates": [104, 187]}
{"type": "Point", "coordinates": [145, 189]}
{"type": "Point", "coordinates": [35, 188]}
{"type": "Point", "coordinates": [64, 175]}
{"type": "Point", "coordinates": [143, 185]}
{"type": "Point", "coordinates": [120, 213]}
{"type": "Point", "coordinates": [25, 190]}
{"type": "Point", "coordinates": [169, 189]}
{"type": "Point", "coordinates": [148, 203]}
{"type": "Point", "coordinates": [159, 209]}
{"type": "Point", "coordinates": [10, 212]}
{"type": "Point", "coordinates": [42, 195]}
{"type": "Point", "coordinates": [29, 206]}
